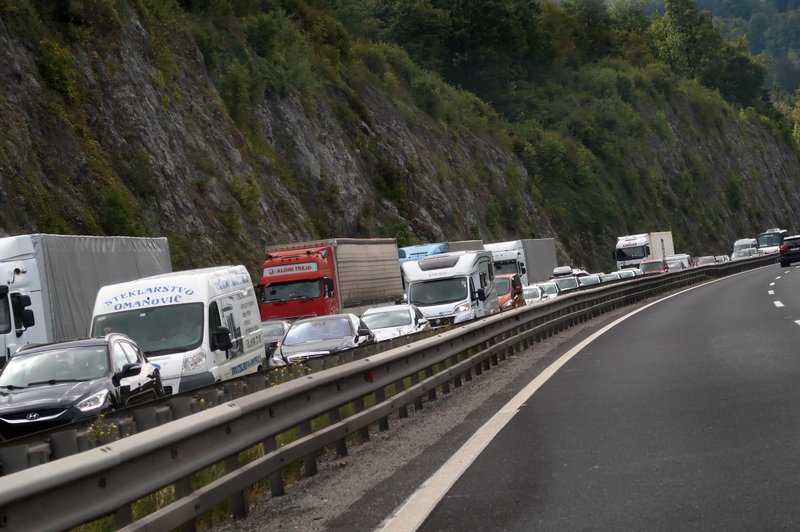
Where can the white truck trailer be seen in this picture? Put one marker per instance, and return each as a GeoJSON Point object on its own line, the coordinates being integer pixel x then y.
{"type": "Point", "coordinates": [632, 250]}
{"type": "Point", "coordinates": [49, 282]}
{"type": "Point", "coordinates": [452, 287]}
{"type": "Point", "coordinates": [533, 258]}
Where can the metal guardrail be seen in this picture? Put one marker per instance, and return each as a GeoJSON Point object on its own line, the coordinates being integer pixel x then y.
{"type": "Point", "coordinates": [107, 480]}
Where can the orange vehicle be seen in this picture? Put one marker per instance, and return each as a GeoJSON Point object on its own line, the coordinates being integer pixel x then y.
{"type": "Point", "coordinates": [509, 291]}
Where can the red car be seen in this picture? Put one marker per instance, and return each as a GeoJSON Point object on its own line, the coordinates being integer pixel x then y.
{"type": "Point", "coordinates": [653, 266]}
{"type": "Point", "coordinates": [509, 291]}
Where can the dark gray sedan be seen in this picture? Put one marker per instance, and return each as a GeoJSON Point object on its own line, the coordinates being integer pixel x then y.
{"type": "Point", "coordinates": [320, 336]}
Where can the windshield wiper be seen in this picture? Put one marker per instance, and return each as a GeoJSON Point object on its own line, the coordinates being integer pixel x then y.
{"type": "Point", "coordinates": [55, 381]}
{"type": "Point", "coordinates": [13, 387]}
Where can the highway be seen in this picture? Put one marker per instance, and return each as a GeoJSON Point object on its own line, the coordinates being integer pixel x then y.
{"type": "Point", "coordinates": [684, 415]}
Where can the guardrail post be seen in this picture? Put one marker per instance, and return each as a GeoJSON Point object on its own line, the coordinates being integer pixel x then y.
{"type": "Point", "coordinates": [399, 386]}
{"type": "Point", "coordinates": [341, 445]}
{"type": "Point", "coordinates": [183, 488]}
{"type": "Point", "coordinates": [380, 397]}
{"type": "Point", "coordinates": [417, 400]}
{"type": "Point", "coordinates": [64, 443]}
{"type": "Point", "coordinates": [309, 460]}
{"type": "Point", "coordinates": [123, 517]}
{"type": "Point", "coordinates": [432, 391]}
{"type": "Point", "coordinates": [275, 479]}
{"type": "Point", "coordinates": [363, 433]}
{"type": "Point", "coordinates": [238, 504]}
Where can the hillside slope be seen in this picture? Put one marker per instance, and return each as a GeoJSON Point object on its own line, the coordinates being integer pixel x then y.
{"type": "Point", "coordinates": [140, 118]}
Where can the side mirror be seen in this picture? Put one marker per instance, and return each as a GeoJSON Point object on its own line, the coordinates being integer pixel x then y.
{"type": "Point", "coordinates": [130, 369]}
{"type": "Point", "coordinates": [422, 322]}
{"type": "Point", "coordinates": [481, 294]}
{"type": "Point", "coordinates": [518, 289]}
{"type": "Point", "coordinates": [327, 283]}
{"type": "Point", "coordinates": [364, 332]}
{"type": "Point", "coordinates": [259, 291]}
{"type": "Point", "coordinates": [221, 339]}
{"type": "Point", "coordinates": [28, 319]}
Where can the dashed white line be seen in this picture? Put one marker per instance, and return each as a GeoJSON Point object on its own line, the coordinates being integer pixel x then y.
{"type": "Point", "coordinates": [772, 284]}
{"type": "Point", "coordinates": [778, 277]}
{"type": "Point", "coordinates": [777, 304]}
{"type": "Point", "coordinates": [797, 322]}
{"type": "Point", "coordinates": [771, 292]}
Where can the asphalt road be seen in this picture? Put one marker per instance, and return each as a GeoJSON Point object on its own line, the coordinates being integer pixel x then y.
{"type": "Point", "coordinates": [684, 416]}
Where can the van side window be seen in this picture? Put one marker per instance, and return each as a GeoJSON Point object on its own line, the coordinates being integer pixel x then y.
{"type": "Point", "coordinates": [214, 320]}
{"type": "Point", "coordinates": [5, 315]}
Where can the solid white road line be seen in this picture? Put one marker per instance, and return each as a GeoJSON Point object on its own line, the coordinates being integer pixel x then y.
{"type": "Point", "coordinates": [771, 292]}
{"type": "Point", "coordinates": [413, 512]}
{"type": "Point", "coordinates": [778, 304]}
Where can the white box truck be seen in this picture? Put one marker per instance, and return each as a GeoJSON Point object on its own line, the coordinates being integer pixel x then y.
{"type": "Point", "coordinates": [200, 326]}
{"type": "Point", "coordinates": [533, 258]}
{"type": "Point", "coordinates": [49, 282]}
{"type": "Point", "coordinates": [452, 287]}
{"type": "Point", "coordinates": [631, 250]}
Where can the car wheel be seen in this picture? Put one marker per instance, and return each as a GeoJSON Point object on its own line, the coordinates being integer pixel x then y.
{"type": "Point", "coordinates": [784, 264]}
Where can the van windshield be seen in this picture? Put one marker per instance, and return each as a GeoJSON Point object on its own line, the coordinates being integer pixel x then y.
{"type": "Point", "coordinates": [157, 330]}
{"type": "Point", "coordinates": [438, 292]}
{"type": "Point", "coordinates": [634, 252]}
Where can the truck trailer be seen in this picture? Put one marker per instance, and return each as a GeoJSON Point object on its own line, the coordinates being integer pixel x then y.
{"type": "Point", "coordinates": [50, 282]}
{"type": "Point", "coordinates": [631, 250]}
{"type": "Point", "coordinates": [532, 258]}
{"type": "Point", "coordinates": [324, 277]}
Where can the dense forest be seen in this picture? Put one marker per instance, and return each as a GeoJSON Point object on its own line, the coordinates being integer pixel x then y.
{"type": "Point", "coordinates": [418, 119]}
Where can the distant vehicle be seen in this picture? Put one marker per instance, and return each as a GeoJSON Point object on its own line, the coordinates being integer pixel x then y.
{"type": "Point", "coordinates": [745, 243]}
{"type": "Point", "coordinates": [790, 250]}
{"type": "Point", "coordinates": [421, 251]}
{"type": "Point", "coordinates": [566, 284]}
{"type": "Point", "coordinates": [631, 250]}
{"type": "Point", "coordinates": [591, 279]}
{"type": "Point", "coordinates": [705, 260]}
{"type": "Point", "coordinates": [50, 282]}
{"type": "Point", "coordinates": [47, 385]}
{"type": "Point", "coordinates": [531, 258]}
{"type": "Point", "coordinates": [745, 254]}
{"type": "Point", "coordinates": [532, 294]}
{"type": "Point", "coordinates": [509, 291]}
{"type": "Point", "coordinates": [628, 273]}
{"type": "Point", "coordinates": [675, 266]}
{"type": "Point", "coordinates": [453, 287]}
{"type": "Point", "coordinates": [609, 277]}
{"type": "Point", "coordinates": [394, 321]}
{"type": "Point", "coordinates": [330, 276]}
{"type": "Point", "coordinates": [686, 260]}
{"type": "Point", "coordinates": [770, 240]}
{"type": "Point", "coordinates": [654, 266]}
{"type": "Point", "coordinates": [549, 290]}
{"type": "Point", "coordinates": [722, 258]}
{"type": "Point", "coordinates": [272, 332]}
{"type": "Point", "coordinates": [562, 271]}
{"type": "Point", "coordinates": [321, 336]}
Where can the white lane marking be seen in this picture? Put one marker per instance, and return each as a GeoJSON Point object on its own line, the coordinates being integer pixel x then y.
{"type": "Point", "coordinates": [778, 277]}
{"type": "Point", "coordinates": [771, 292]}
{"type": "Point", "coordinates": [772, 284]}
{"type": "Point", "coordinates": [797, 322]}
{"type": "Point", "coordinates": [778, 304]}
{"type": "Point", "coordinates": [416, 509]}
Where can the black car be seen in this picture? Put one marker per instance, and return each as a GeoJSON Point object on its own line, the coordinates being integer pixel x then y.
{"type": "Point", "coordinates": [316, 337]}
{"type": "Point", "coordinates": [790, 250]}
{"type": "Point", "coordinates": [46, 385]}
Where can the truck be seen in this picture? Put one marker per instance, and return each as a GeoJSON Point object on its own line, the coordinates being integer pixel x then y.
{"type": "Point", "coordinates": [453, 287]}
{"type": "Point", "coordinates": [49, 282]}
{"type": "Point", "coordinates": [532, 258]}
{"type": "Point", "coordinates": [770, 240]}
{"type": "Point", "coordinates": [426, 250]}
{"type": "Point", "coordinates": [324, 277]}
{"type": "Point", "coordinates": [200, 326]}
{"type": "Point", "coordinates": [631, 250]}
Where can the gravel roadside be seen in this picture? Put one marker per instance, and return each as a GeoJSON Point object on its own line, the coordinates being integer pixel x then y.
{"type": "Point", "coordinates": [359, 491]}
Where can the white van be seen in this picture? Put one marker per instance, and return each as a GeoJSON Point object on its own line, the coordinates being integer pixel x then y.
{"type": "Point", "coordinates": [452, 287]}
{"type": "Point", "coordinates": [199, 326]}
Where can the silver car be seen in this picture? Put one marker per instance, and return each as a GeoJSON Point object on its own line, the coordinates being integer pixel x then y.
{"type": "Point", "coordinates": [394, 321]}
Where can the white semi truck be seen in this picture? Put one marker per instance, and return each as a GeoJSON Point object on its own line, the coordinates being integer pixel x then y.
{"type": "Point", "coordinates": [532, 258]}
{"type": "Point", "coordinates": [632, 250]}
{"type": "Point", "coordinates": [49, 283]}
{"type": "Point", "coordinates": [452, 287]}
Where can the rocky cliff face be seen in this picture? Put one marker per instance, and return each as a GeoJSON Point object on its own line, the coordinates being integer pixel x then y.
{"type": "Point", "coordinates": [129, 135]}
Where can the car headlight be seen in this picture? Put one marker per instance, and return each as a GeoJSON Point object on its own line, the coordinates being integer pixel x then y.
{"type": "Point", "coordinates": [463, 307]}
{"type": "Point", "coordinates": [194, 361]}
{"type": "Point", "coordinates": [93, 402]}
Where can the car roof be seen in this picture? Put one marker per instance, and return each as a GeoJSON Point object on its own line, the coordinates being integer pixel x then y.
{"type": "Point", "coordinates": [347, 316]}
{"type": "Point", "coordinates": [388, 308]}
{"type": "Point", "coordinates": [69, 344]}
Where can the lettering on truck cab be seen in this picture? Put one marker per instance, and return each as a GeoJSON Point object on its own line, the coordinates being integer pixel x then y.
{"type": "Point", "coordinates": [141, 297]}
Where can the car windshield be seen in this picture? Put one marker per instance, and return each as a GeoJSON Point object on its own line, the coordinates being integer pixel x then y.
{"type": "Point", "coordinates": [438, 292]}
{"type": "Point", "coordinates": [566, 283]}
{"type": "Point", "coordinates": [272, 328]}
{"type": "Point", "coordinates": [625, 274]}
{"type": "Point", "coordinates": [651, 266]}
{"type": "Point", "coordinates": [56, 365]}
{"type": "Point", "coordinates": [588, 280]}
{"type": "Point", "coordinates": [706, 260]}
{"type": "Point", "coordinates": [503, 285]}
{"type": "Point", "coordinates": [769, 239]}
{"type": "Point", "coordinates": [294, 290]}
{"type": "Point", "coordinates": [549, 289]}
{"type": "Point", "coordinates": [633, 252]}
{"type": "Point", "coordinates": [743, 245]}
{"type": "Point", "coordinates": [318, 330]}
{"type": "Point", "coordinates": [531, 292]}
{"type": "Point", "coordinates": [387, 318]}
{"type": "Point", "coordinates": [157, 330]}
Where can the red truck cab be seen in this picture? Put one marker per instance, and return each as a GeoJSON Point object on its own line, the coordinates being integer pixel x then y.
{"type": "Point", "coordinates": [298, 284]}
